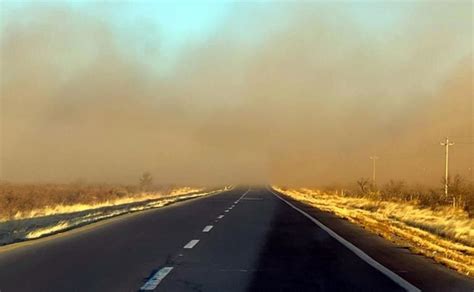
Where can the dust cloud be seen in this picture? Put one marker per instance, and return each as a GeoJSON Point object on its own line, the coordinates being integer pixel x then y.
{"type": "Point", "coordinates": [281, 93]}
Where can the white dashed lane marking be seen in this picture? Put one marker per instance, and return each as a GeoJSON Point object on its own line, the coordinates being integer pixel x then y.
{"type": "Point", "coordinates": [191, 244]}
{"type": "Point", "coordinates": [207, 228]}
{"type": "Point", "coordinates": [156, 279]}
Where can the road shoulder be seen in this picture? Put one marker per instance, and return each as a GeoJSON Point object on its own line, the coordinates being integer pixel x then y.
{"type": "Point", "coordinates": [422, 272]}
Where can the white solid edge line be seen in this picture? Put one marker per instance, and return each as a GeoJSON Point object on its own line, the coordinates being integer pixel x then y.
{"type": "Point", "coordinates": [207, 228]}
{"type": "Point", "coordinates": [191, 244]}
{"type": "Point", "coordinates": [384, 270]}
{"type": "Point", "coordinates": [156, 279]}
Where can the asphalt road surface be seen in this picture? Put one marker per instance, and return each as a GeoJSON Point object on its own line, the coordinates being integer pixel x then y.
{"type": "Point", "coordinates": [246, 239]}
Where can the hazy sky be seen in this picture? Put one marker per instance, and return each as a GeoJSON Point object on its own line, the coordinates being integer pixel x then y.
{"type": "Point", "coordinates": [235, 92]}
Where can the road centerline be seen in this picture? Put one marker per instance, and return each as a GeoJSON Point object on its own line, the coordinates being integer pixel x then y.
{"type": "Point", "coordinates": [207, 228]}
{"type": "Point", "coordinates": [191, 244]}
{"type": "Point", "coordinates": [155, 280]}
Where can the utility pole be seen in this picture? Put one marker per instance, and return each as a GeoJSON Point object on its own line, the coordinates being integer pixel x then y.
{"type": "Point", "coordinates": [374, 159]}
{"type": "Point", "coordinates": [446, 144]}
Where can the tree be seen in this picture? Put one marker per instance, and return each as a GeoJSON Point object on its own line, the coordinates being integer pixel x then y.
{"type": "Point", "coordinates": [146, 181]}
{"type": "Point", "coordinates": [363, 184]}
{"type": "Point", "coordinates": [457, 185]}
{"type": "Point", "coordinates": [458, 189]}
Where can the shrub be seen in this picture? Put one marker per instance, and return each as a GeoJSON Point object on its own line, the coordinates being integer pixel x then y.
{"type": "Point", "coordinates": [394, 189]}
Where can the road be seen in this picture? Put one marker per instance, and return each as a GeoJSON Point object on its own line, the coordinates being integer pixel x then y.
{"type": "Point", "coordinates": [257, 242]}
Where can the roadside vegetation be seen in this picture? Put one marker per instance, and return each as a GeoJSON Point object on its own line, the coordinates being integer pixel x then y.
{"type": "Point", "coordinates": [461, 193]}
{"type": "Point", "coordinates": [29, 211]}
{"type": "Point", "coordinates": [420, 218]}
{"type": "Point", "coordinates": [20, 201]}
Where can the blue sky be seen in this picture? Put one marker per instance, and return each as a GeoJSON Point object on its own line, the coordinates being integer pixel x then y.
{"type": "Point", "coordinates": [178, 22]}
{"type": "Point", "coordinates": [169, 24]}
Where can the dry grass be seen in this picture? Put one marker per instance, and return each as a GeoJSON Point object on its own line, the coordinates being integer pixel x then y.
{"type": "Point", "coordinates": [445, 234]}
{"type": "Point", "coordinates": [50, 219]}
{"type": "Point", "coordinates": [20, 201]}
{"type": "Point", "coordinates": [123, 208]}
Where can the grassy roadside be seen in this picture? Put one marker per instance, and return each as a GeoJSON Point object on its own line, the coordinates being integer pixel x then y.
{"type": "Point", "coordinates": [72, 217]}
{"type": "Point", "coordinates": [22, 201]}
{"type": "Point", "coordinates": [445, 234]}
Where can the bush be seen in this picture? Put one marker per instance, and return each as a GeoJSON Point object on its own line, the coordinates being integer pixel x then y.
{"type": "Point", "coordinates": [469, 200]}
{"type": "Point", "coordinates": [394, 189]}
{"type": "Point", "coordinates": [461, 193]}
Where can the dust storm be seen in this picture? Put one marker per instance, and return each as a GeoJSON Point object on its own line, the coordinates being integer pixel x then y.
{"type": "Point", "coordinates": [296, 94]}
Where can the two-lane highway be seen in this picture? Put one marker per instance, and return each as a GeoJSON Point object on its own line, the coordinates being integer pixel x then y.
{"type": "Point", "coordinates": [262, 245]}
{"type": "Point", "coordinates": [240, 240]}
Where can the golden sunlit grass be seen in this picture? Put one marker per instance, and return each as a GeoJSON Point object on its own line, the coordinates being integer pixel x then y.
{"type": "Point", "coordinates": [20, 201]}
{"type": "Point", "coordinates": [37, 210]}
{"type": "Point", "coordinates": [445, 234]}
{"type": "Point", "coordinates": [175, 195]}
{"type": "Point", "coordinates": [134, 198]}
